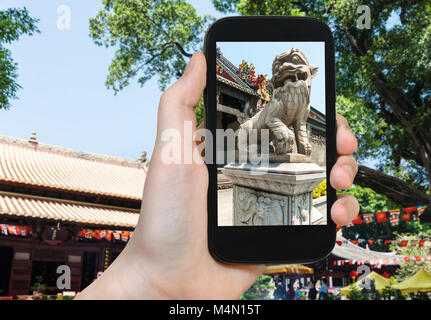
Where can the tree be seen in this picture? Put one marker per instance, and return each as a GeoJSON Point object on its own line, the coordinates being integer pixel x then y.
{"type": "Point", "coordinates": [356, 294]}
{"type": "Point", "coordinates": [260, 289]}
{"type": "Point", "coordinates": [13, 24]}
{"type": "Point", "coordinates": [409, 268]}
{"type": "Point", "coordinates": [370, 292]}
{"type": "Point", "coordinates": [385, 72]}
{"type": "Point", "coordinates": [151, 37]}
{"type": "Point", "coordinates": [373, 202]}
{"type": "Point", "coordinates": [331, 296]}
{"type": "Point", "coordinates": [370, 200]}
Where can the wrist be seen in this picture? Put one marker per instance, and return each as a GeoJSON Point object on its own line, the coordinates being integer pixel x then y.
{"type": "Point", "coordinates": [125, 279]}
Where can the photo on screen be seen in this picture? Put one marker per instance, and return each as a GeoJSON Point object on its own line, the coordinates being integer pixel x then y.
{"type": "Point", "coordinates": [272, 96]}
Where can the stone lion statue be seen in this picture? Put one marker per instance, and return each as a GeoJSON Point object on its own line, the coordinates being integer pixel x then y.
{"type": "Point", "coordinates": [289, 106]}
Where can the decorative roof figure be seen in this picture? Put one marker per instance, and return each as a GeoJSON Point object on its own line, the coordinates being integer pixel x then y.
{"type": "Point", "coordinates": [143, 157]}
{"type": "Point", "coordinates": [33, 138]}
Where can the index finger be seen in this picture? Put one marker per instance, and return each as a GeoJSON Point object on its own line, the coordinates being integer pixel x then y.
{"type": "Point", "coordinates": [345, 140]}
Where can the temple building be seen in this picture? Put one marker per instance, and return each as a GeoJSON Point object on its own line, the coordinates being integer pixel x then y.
{"type": "Point", "coordinates": [62, 207]}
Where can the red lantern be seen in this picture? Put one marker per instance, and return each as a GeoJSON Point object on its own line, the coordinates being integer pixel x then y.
{"type": "Point", "coordinates": [353, 274]}
{"type": "Point", "coordinates": [386, 275]}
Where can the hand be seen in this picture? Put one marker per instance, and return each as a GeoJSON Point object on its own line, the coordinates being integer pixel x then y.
{"type": "Point", "coordinates": [346, 208]}
{"type": "Point", "coordinates": [168, 257]}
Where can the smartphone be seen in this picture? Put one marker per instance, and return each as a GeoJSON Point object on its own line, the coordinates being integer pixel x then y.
{"type": "Point", "coordinates": [270, 112]}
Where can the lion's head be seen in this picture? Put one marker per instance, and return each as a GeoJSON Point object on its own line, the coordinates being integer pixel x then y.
{"type": "Point", "coordinates": [291, 78]}
{"type": "Point", "coordinates": [292, 66]}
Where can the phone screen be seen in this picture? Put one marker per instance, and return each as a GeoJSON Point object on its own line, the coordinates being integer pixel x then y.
{"type": "Point", "coordinates": [271, 133]}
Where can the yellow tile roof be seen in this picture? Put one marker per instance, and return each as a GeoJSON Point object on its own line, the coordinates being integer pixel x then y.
{"type": "Point", "coordinates": [66, 211]}
{"type": "Point", "coordinates": [64, 169]}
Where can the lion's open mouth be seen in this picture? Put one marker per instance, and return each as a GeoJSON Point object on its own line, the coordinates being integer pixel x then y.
{"type": "Point", "coordinates": [292, 72]}
{"type": "Point", "coordinates": [296, 76]}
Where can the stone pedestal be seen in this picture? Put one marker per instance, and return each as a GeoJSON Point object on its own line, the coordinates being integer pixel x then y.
{"type": "Point", "coordinates": [275, 194]}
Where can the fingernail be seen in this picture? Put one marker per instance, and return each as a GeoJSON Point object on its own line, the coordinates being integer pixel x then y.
{"type": "Point", "coordinates": [349, 170]}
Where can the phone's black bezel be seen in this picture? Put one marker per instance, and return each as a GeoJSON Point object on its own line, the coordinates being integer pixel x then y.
{"type": "Point", "coordinates": [269, 244]}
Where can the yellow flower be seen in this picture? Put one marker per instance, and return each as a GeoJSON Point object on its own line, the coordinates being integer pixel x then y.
{"type": "Point", "coordinates": [320, 190]}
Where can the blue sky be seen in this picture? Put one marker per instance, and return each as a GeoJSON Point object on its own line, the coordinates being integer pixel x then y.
{"type": "Point", "coordinates": [262, 54]}
{"type": "Point", "coordinates": [63, 96]}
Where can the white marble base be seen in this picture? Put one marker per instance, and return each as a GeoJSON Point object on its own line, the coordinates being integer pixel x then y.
{"type": "Point", "coordinates": [276, 194]}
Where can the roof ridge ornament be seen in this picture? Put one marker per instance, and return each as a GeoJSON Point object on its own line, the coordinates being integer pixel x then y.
{"type": "Point", "coordinates": [33, 138]}
{"type": "Point", "coordinates": [143, 158]}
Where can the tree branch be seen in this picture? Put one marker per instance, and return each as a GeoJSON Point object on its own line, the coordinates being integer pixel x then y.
{"type": "Point", "coordinates": [184, 52]}
{"type": "Point", "coordinates": [163, 48]}
{"type": "Point", "coordinates": [177, 44]}
{"type": "Point", "coordinates": [403, 109]}
{"type": "Point", "coordinates": [354, 41]}
{"type": "Point", "coordinates": [395, 189]}
{"type": "Point", "coordinates": [401, 106]}
{"type": "Point", "coordinates": [301, 6]}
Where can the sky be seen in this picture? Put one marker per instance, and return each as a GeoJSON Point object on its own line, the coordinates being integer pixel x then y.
{"type": "Point", "coordinates": [262, 54]}
{"type": "Point", "coordinates": [63, 96]}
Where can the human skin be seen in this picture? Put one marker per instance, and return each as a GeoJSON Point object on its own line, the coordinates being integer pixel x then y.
{"type": "Point", "coordinates": [168, 257]}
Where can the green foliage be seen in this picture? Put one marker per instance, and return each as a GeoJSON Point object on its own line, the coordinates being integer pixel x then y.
{"type": "Point", "coordinates": [268, 7]}
{"type": "Point", "coordinates": [370, 293]}
{"type": "Point", "coordinates": [151, 38]}
{"type": "Point", "coordinates": [417, 231]}
{"type": "Point", "coordinates": [371, 202]}
{"type": "Point", "coordinates": [356, 294]}
{"type": "Point", "coordinates": [39, 286]}
{"type": "Point", "coordinates": [331, 296]}
{"type": "Point", "coordinates": [65, 297]}
{"type": "Point", "coordinates": [260, 289]}
{"type": "Point", "coordinates": [367, 126]}
{"type": "Point", "coordinates": [385, 231]}
{"type": "Point", "coordinates": [199, 111]}
{"type": "Point", "coordinates": [387, 293]}
{"type": "Point", "coordinates": [13, 24]}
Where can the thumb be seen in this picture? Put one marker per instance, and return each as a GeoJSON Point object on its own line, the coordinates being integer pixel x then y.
{"type": "Point", "coordinates": [178, 101]}
{"type": "Point", "coordinates": [176, 108]}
